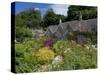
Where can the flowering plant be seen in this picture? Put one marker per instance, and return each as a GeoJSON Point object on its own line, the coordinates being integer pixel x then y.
{"type": "Point", "coordinates": [44, 55]}
{"type": "Point", "coordinates": [48, 42]}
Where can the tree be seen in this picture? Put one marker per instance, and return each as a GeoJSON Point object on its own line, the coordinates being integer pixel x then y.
{"type": "Point", "coordinates": [25, 21]}
{"type": "Point", "coordinates": [87, 12]}
{"type": "Point", "coordinates": [21, 30]}
{"type": "Point", "coordinates": [51, 18]}
{"type": "Point", "coordinates": [32, 18]}
{"type": "Point", "coordinates": [62, 17]}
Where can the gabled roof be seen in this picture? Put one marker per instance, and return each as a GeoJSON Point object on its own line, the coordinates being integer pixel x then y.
{"type": "Point", "coordinates": [82, 26]}
{"type": "Point", "coordinates": [53, 28]}
{"type": "Point", "coordinates": [71, 25]}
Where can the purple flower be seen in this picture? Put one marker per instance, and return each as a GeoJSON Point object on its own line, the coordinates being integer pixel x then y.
{"type": "Point", "coordinates": [48, 42]}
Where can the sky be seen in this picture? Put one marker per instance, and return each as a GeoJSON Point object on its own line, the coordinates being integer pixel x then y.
{"type": "Point", "coordinates": [57, 8]}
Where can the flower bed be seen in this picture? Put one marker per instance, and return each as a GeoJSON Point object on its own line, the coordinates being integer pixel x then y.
{"type": "Point", "coordinates": [39, 54]}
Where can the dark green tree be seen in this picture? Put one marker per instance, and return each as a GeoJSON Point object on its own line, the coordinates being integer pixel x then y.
{"type": "Point", "coordinates": [25, 21]}
{"type": "Point", "coordinates": [86, 11]}
{"type": "Point", "coordinates": [21, 30]}
{"type": "Point", "coordinates": [51, 18]}
{"type": "Point", "coordinates": [32, 18]}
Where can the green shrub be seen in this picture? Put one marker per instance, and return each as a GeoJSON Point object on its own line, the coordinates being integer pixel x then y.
{"type": "Point", "coordinates": [26, 67]}
{"type": "Point", "coordinates": [28, 57]}
{"type": "Point", "coordinates": [38, 43]}
{"type": "Point", "coordinates": [22, 33]}
{"type": "Point", "coordinates": [34, 44]}
{"type": "Point", "coordinates": [20, 49]}
{"type": "Point", "coordinates": [25, 60]}
{"type": "Point", "coordinates": [60, 46]}
{"type": "Point", "coordinates": [80, 58]}
{"type": "Point", "coordinates": [31, 56]}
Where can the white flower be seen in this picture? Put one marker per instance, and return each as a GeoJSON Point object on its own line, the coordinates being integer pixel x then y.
{"type": "Point", "coordinates": [87, 47]}
{"type": "Point", "coordinates": [57, 59]}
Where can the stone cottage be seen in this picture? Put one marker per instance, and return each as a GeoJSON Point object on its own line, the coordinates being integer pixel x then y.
{"type": "Point", "coordinates": [59, 31]}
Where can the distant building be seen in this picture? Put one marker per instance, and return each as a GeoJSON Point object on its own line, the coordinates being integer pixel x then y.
{"type": "Point", "coordinates": [38, 32]}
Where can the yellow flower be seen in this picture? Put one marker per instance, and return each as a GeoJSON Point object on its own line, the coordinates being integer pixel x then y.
{"type": "Point", "coordinates": [45, 55]}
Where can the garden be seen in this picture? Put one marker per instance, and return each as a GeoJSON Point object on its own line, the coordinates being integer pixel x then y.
{"type": "Point", "coordinates": [46, 54]}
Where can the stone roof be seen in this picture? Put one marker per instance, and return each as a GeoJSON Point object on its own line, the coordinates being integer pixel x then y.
{"type": "Point", "coordinates": [71, 25]}
{"type": "Point", "coordinates": [53, 28]}
{"type": "Point", "coordinates": [88, 25]}
{"type": "Point", "coordinates": [82, 26]}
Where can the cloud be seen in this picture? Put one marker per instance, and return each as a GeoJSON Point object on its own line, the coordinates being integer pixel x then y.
{"type": "Point", "coordinates": [36, 9]}
{"type": "Point", "coordinates": [60, 9]}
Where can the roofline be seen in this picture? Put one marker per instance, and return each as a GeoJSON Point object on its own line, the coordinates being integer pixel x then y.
{"type": "Point", "coordinates": [60, 25]}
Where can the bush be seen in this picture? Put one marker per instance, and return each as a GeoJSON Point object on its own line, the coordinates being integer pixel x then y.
{"type": "Point", "coordinates": [38, 43]}
{"type": "Point", "coordinates": [25, 60]}
{"type": "Point", "coordinates": [80, 58]}
{"type": "Point", "coordinates": [22, 33]}
{"type": "Point", "coordinates": [44, 55]}
{"type": "Point", "coordinates": [31, 56]}
{"type": "Point", "coordinates": [20, 49]}
{"type": "Point", "coordinates": [60, 46]}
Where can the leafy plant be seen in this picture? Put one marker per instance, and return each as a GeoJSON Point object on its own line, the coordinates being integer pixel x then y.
{"type": "Point", "coordinates": [22, 33]}
{"type": "Point", "coordinates": [19, 50]}
{"type": "Point", "coordinates": [32, 56]}
{"type": "Point", "coordinates": [80, 58]}
{"type": "Point", "coordinates": [60, 46]}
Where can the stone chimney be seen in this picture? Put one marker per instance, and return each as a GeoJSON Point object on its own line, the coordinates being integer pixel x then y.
{"type": "Point", "coordinates": [80, 16]}
{"type": "Point", "coordinates": [60, 21]}
{"type": "Point", "coordinates": [80, 19]}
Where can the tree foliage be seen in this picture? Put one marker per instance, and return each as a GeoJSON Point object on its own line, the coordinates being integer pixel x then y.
{"type": "Point", "coordinates": [51, 18]}
{"type": "Point", "coordinates": [87, 12]}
